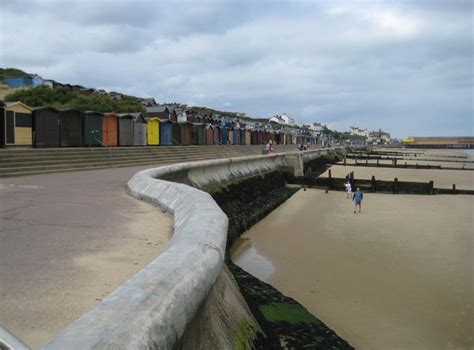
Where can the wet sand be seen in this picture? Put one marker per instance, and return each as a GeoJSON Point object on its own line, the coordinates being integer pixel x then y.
{"type": "Point", "coordinates": [398, 276]}
{"type": "Point", "coordinates": [463, 179]}
{"type": "Point", "coordinates": [67, 241]}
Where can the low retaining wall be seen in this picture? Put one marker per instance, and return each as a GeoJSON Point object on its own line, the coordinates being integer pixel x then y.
{"type": "Point", "coordinates": [154, 307]}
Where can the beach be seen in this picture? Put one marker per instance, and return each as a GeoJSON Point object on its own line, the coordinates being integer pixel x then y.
{"type": "Point", "coordinates": [399, 275]}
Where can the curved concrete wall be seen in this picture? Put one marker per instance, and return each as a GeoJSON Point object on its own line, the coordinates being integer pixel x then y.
{"type": "Point", "coordinates": [153, 308]}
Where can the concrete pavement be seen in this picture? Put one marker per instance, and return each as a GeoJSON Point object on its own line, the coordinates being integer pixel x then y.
{"type": "Point", "coordinates": [67, 240]}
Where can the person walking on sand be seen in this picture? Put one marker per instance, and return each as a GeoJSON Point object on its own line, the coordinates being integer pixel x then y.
{"type": "Point", "coordinates": [357, 198]}
{"type": "Point", "coordinates": [348, 189]}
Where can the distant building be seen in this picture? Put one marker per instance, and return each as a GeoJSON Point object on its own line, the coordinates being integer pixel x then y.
{"type": "Point", "coordinates": [354, 130]}
{"type": "Point", "coordinates": [30, 81]}
{"type": "Point", "coordinates": [149, 102]}
{"type": "Point", "coordinates": [379, 137]}
{"type": "Point", "coordinates": [318, 127]}
{"type": "Point", "coordinates": [282, 119]}
{"type": "Point", "coordinates": [115, 96]}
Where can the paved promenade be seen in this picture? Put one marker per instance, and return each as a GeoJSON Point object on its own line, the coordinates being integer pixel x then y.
{"type": "Point", "coordinates": [67, 240]}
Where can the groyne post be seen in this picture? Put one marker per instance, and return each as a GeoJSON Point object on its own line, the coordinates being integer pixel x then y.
{"type": "Point", "coordinates": [454, 188]}
{"type": "Point", "coordinates": [431, 187]}
{"type": "Point", "coordinates": [330, 179]}
{"type": "Point", "coordinates": [373, 184]}
{"type": "Point", "coordinates": [395, 185]}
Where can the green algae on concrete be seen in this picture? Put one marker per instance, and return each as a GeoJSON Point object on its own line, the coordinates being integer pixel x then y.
{"type": "Point", "coordinates": [245, 335]}
{"type": "Point", "coordinates": [283, 312]}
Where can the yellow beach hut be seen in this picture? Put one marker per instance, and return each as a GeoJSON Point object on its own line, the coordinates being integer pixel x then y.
{"type": "Point", "coordinates": [153, 131]}
{"type": "Point", "coordinates": [18, 124]}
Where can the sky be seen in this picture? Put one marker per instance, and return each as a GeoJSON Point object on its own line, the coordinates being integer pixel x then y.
{"type": "Point", "coordinates": [405, 67]}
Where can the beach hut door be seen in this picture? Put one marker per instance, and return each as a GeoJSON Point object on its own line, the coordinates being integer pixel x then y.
{"type": "Point", "coordinates": [10, 127]}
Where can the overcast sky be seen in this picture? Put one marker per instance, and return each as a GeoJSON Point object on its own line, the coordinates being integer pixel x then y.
{"type": "Point", "coordinates": [403, 66]}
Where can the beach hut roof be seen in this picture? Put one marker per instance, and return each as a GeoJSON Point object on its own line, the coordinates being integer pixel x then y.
{"type": "Point", "coordinates": [44, 108]}
{"type": "Point", "coordinates": [93, 112]}
{"type": "Point", "coordinates": [157, 109]}
{"type": "Point", "coordinates": [70, 110]}
{"type": "Point", "coordinates": [112, 113]}
{"type": "Point", "coordinates": [11, 104]}
{"type": "Point", "coordinates": [134, 115]}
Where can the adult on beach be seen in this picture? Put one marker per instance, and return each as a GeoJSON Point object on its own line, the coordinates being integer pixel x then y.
{"type": "Point", "coordinates": [357, 198]}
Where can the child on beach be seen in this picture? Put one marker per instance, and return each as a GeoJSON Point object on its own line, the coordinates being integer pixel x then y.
{"type": "Point", "coordinates": [357, 198]}
{"type": "Point", "coordinates": [348, 189]}
{"type": "Point", "coordinates": [270, 147]}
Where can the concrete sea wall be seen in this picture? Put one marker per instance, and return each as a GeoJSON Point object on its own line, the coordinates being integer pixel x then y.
{"type": "Point", "coordinates": [158, 306]}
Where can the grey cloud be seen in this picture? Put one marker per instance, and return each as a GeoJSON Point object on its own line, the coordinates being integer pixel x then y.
{"type": "Point", "coordinates": [399, 66]}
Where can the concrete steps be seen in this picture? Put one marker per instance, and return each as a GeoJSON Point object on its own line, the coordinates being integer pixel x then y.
{"type": "Point", "coordinates": [17, 162]}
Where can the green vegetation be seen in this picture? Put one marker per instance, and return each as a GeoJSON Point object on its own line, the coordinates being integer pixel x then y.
{"type": "Point", "coordinates": [64, 98]}
{"type": "Point", "coordinates": [245, 334]}
{"type": "Point", "coordinates": [284, 312]}
{"type": "Point", "coordinates": [11, 72]}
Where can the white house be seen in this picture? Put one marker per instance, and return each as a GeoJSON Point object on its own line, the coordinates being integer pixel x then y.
{"type": "Point", "coordinates": [354, 130]}
{"type": "Point", "coordinates": [282, 119]}
{"type": "Point", "coordinates": [318, 127]}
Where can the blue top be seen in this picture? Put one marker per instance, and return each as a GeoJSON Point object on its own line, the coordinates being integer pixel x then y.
{"type": "Point", "coordinates": [358, 195]}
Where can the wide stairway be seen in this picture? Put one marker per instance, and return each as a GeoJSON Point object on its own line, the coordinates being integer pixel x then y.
{"type": "Point", "coordinates": [18, 162]}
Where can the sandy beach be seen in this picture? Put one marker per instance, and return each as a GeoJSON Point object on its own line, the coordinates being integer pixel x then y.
{"type": "Point", "coordinates": [398, 276]}
{"type": "Point", "coordinates": [463, 179]}
{"type": "Point", "coordinates": [69, 240]}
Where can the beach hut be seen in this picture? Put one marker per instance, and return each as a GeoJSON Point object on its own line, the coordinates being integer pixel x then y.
{"type": "Point", "coordinates": [176, 134]}
{"type": "Point", "coordinates": [139, 130]}
{"type": "Point", "coordinates": [125, 130]}
{"type": "Point", "coordinates": [230, 134]}
{"type": "Point", "coordinates": [153, 130]}
{"type": "Point", "coordinates": [253, 137]}
{"type": "Point", "coordinates": [248, 137]}
{"type": "Point", "coordinates": [17, 124]}
{"type": "Point", "coordinates": [93, 128]}
{"type": "Point", "coordinates": [110, 129]}
{"type": "Point", "coordinates": [224, 135]}
{"type": "Point", "coordinates": [209, 134]}
{"type": "Point", "coordinates": [216, 132]}
{"type": "Point", "coordinates": [260, 137]}
{"type": "Point", "coordinates": [199, 134]}
{"type": "Point", "coordinates": [46, 127]}
{"type": "Point", "coordinates": [2, 124]}
{"type": "Point", "coordinates": [186, 133]}
{"type": "Point", "coordinates": [243, 136]}
{"type": "Point", "coordinates": [71, 128]}
{"type": "Point", "coordinates": [270, 136]}
{"type": "Point", "coordinates": [166, 132]}
{"type": "Point", "coordinates": [235, 136]}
